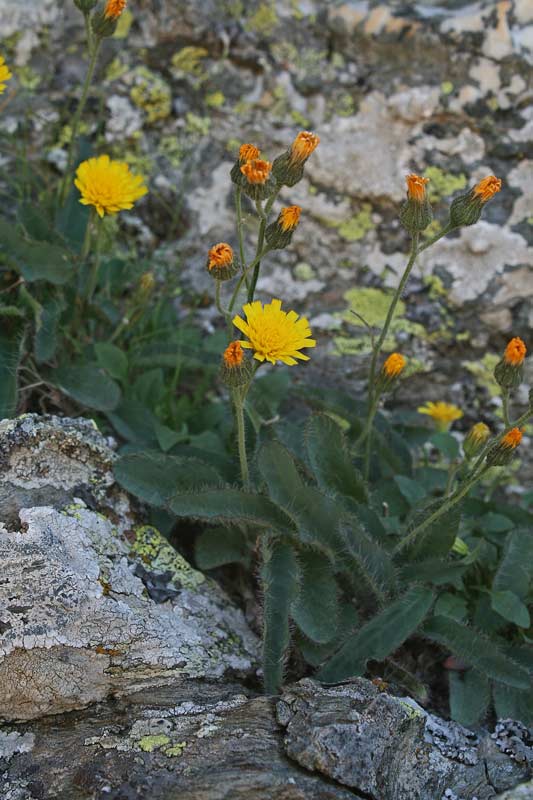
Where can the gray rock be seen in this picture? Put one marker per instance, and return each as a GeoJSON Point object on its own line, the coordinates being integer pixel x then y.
{"type": "Point", "coordinates": [78, 618]}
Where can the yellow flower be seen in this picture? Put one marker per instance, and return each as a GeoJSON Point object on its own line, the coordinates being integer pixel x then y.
{"type": "Point", "coordinates": [303, 146]}
{"type": "Point", "coordinates": [274, 335]}
{"type": "Point", "coordinates": [289, 217]}
{"type": "Point", "coordinates": [5, 75]}
{"type": "Point", "coordinates": [487, 188]}
{"type": "Point", "coordinates": [108, 185]}
{"type": "Point", "coordinates": [114, 8]}
{"type": "Point", "coordinates": [416, 187]}
{"type": "Point", "coordinates": [394, 365]}
{"type": "Point", "coordinates": [512, 438]}
{"type": "Point", "coordinates": [443, 414]}
{"type": "Point", "coordinates": [257, 170]}
{"type": "Point", "coordinates": [515, 352]}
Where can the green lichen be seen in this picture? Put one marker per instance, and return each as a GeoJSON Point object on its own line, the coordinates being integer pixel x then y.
{"type": "Point", "coordinates": [432, 229]}
{"type": "Point", "coordinates": [483, 372]}
{"type": "Point", "coordinates": [345, 105]}
{"type": "Point", "coordinates": [264, 21]}
{"type": "Point", "coordinates": [370, 303]}
{"type": "Point", "coordinates": [446, 87]}
{"type": "Point", "coordinates": [412, 713]}
{"type": "Point", "coordinates": [171, 148]}
{"type": "Point", "coordinates": [215, 100]}
{"type": "Point", "coordinates": [443, 184]}
{"type": "Point", "coordinates": [151, 94]}
{"type": "Point", "coordinates": [116, 69]}
{"type": "Point", "coordinates": [358, 226]}
{"type": "Point", "coordinates": [153, 742]}
{"type": "Point", "coordinates": [304, 271]}
{"type": "Point", "coordinates": [435, 286]}
{"type": "Point", "coordinates": [155, 551]}
{"type": "Point", "coordinates": [300, 120]}
{"type": "Point", "coordinates": [197, 126]}
{"type": "Point", "coordinates": [124, 24]}
{"type": "Point", "coordinates": [175, 749]}
{"type": "Point", "coordinates": [28, 78]}
{"type": "Point", "coordinates": [189, 60]}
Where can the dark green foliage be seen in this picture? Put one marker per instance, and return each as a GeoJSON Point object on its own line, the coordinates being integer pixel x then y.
{"type": "Point", "coordinates": [315, 608]}
{"type": "Point", "coordinates": [511, 703]}
{"type": "Point", "coordinates": [516, 567]}
{"type": "Point", "coordinates": [11, 345]}
{"type": "Point", "coordinates": [469, 696]}
{"type": "Point", "coordinates": [89, 385]}
{"type": "Point", "coordinates": [366, 559]}
{"type": "Point", "coordinates": [435, 540]}
{"type": "Point", "coordinates": [477, 650]}
{"type": "Point", "coordinates": [153, 476]}
{"type": "Point", "coordinates": [329, 459]}
{"type": "Point", "coordinates": [230, 506]}
{"type": "Point", "coordinates": [218, 546]}
{"type": "Point", "coordinates": [381, 636]}
{"type": "Point", "coordinates": [279, 576]}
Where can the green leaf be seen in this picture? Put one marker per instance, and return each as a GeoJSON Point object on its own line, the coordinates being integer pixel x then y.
{"type": "Point", "coordinates": [445, 444]}
{"type": "Point", "coordinates": [510, 703]}
{"type": "Point", "coordinates": [476, 649]}
{"type": "Point", "coordinates": [451, 605]}
{"type": "Point", "coordinates": [438, 571]}
{"type": "Point", "coordinates": [37, 261]}
{"type": "Point", "coordinates": [383, 634]}
{"type": "Point", "coordinates": [330, 461]}
{"type": "Point", "coordinates": [509, 606]}
{"type": "Point", "coordinates": [46, 335]}
{"type": "Point", "coordinates": [11, 348]}
{"type": "Point", "coordinates": [230, 506]}
{"type": "Point", "coordinates": [494, 523]}
{"type": "Point", "coordinates": [364, 559]}
{"type": "Point", "coordinates": [218, 546]}
{"type": "Point", "coordinates": [154, 477]}
{"type": "Point", "coordinates": [112, 359]}
{"type": "Point", "coordinates": [167, 438]}
{"type": "Point", "coordinates": [88, 385]}
{"type": "Point", "coordinates": [516, 567]}
{"type": "Point", "coordinates": [469, 696]}
{"type": "Point", "coordinates": [279, 576]}
{"type": "Point", "coordinates": [438, 538]}
{"type": "Point", "coordinates": [315, 608]}
{"type": "Point", "coordinates": [314, 514]}
{"type": "Point", "coordinates": [413, 492]}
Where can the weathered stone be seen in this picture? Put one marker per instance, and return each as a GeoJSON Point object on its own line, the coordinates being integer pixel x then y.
{"type": "Point", "coordinates": [93, 605]}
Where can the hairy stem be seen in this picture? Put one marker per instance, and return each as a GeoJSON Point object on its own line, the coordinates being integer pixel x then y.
{"type": "Point", "coordinates": [263, 214]}
{"type": "Point", "coordinates": [238, 396]}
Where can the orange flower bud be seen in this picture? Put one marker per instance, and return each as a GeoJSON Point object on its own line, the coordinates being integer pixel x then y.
{"type": "Point", "coordinates": [466, 209]}
{"type": "Point", "coordinates": [416, 187]}
{"type": "Point", "coordinates": [248, 152]}
{"type": "Point", "coordinates": [512, 438]}
{"type": "Point", "coordinates": [416, 213]}
{"type": "Point", "coordinates": [487, 188]}
{"type": "Point", "coordinates": [303, 146]}
{"type": "Point", "coordinates": [257, 170]}
{"type": "Point", "coordinates": [515, 352]}
{"type": "Point", "coordinates": [114, 8]}
{"type": "Point", "coordinates": [233, 354]}
{"type": "Point", "coordinates": [220, 262]}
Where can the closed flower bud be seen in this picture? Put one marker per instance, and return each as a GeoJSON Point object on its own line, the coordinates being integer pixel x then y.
{"type": "Point", "coordinates": [279, 233]}
{"type": "Point", "coordinates": [85, 6]}
{"type": "Point", "coordinates": [390, 372]}
{"type": "Point", "coordinates": [236, 369]}
{"type": "Point", "coordinates": [104, 23]}
{"type": "Point", "coordinates": [416, 213]}
{"type": "Point", "coordinates": [259, 183]}
{"type": "Point", "coordinates": [221, 263]}
{"type": "Point", "coordinates": [475, 439]}
{"type": "Point", "coordinates": [502, 453]}
{"type": "Point", "coordinates": [288, 168]}
{"type": "Point", "coordinates": [508, 371]}
{"type": "Point", "coordinates": [247, 152]}
{"type": "Point", "coordinates": [466, 209]}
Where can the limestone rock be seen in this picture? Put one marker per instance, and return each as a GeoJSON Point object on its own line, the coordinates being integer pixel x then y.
{"type": "Point", "coordinates": [91, 603]}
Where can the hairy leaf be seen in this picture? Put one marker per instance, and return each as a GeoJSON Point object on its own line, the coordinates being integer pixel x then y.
{"type": "Point", "coordinates": [469, 696]}
{"type": "Point", "coordinates": [329, 459]}
{"type": "Point", "coordinates": [279, 575]}
{"type": "Point", "coordinates": [230, 505]}
{"type": "Point", "coordinates": [315, 607]}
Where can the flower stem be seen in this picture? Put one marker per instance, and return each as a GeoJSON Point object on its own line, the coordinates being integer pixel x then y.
{"type": "Point", "coordinates": [93, 276]}
{"type": "Point", "coordinates": [505, 407]}
{"type": "Point", "coordinates": [76, 121]}
{"type": "Point", "coordinates": [263, 214]}
{"type": "Point", "coordinates": [244, 277]}
{"type": "Point", "coordinates": [444, 232]}
{"type": "Point", "coordinates": [240, 232]}
{"type": "Point", "coordinates": [372, 399]}
{"type": "Point", "coordinates": [238, 396]}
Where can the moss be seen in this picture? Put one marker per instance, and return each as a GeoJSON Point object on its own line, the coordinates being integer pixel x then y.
{"type": "Point", "coordinates": [151, 94]}
{"type": "Point", "coordinates": [189, 60]}
{"type": "Point", "coordinates": [443, 184]}
{"type": "Point", "coordinates": [215, 99]}
{"type": "Point", "coordinates": [155, 551]}
{"type": "Point", "coordinates": [264, 21]}
{"type": "Point", "coordinates": [483, 372]}
{"type": "Point", "coordinates": [358, 226]}
{"type": "Point", "coordinates": [153, 742]}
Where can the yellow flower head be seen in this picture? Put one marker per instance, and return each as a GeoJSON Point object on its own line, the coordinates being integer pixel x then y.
{"type": "Point", "coordinates": [443, 414]}
{"type": "Point", "coordinates": [487, 188]}
{"type": "Point", "coordinates": [248, 152]}
{"type": "Point", "coordinates": [114, 8]}
{"type": "Point", "coordinates": [108, 185]}
{"type": "Point", "coordinates": [219, 256]}
{"type": "Point", "coordinates": [274, 335]}
{"type": "Point", "coordinates": [479, 433]}
{"type": "Point", "coordinates": [515, 352]}
{"type": "Point", "coordinates": [289, 217]}
{"type": "Point", "coordinates": [257, 170]}
{"type": "Point", "coordinates": [511, 439]}
{"type": "Point", "coordinates": [233, 355]}
{"type": "Point", "coordinates": [416, 187]}
{"type": "Point", "coordinates": [303, 146]}
{"type": "Point", "coordinates": [394, 365]}
{"type": "Point", "coordinates": [5, 75]}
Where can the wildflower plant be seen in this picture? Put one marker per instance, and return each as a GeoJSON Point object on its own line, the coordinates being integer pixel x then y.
{"type": "Point", "coordinates": [363, 542]}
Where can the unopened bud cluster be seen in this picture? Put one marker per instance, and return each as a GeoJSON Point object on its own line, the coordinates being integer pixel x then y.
{"type": "Point", "coordinates": [105, 19]}
{"type": "Point", "coordinates": [509, 370]}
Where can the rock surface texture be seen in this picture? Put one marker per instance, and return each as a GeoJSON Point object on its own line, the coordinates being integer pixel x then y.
{"type": "Point", "coordinates": [93, 605]}
{"type": "Point", "coordinates": [101, 618]}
